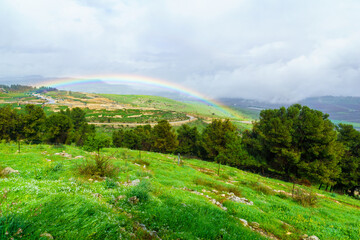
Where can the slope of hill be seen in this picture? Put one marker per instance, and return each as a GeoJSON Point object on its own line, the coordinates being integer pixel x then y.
{"type": "Point", "coordinates": [190, 201]}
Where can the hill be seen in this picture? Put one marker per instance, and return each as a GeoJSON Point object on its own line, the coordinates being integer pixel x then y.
{"type": "Point", "coordinates": [191, 201]}
{"type": "Point", "coordinates": [163, 103]}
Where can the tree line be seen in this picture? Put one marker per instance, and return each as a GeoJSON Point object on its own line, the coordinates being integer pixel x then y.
{"type": "Point", "coordinates": [31, 125]}
{"type": "Point", "coordinates": [297, 143]}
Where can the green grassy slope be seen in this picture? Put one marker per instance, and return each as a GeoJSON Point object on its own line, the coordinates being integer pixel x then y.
{"type": "Point", "coordinates": [176, 202]}
{"type": "Point", "coordinates": [163, 103]}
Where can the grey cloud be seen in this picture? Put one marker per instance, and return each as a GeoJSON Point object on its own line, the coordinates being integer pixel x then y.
{"type": "Point", "coordinates": [270, 50]}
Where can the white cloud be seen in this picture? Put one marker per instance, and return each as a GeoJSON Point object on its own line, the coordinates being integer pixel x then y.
{"type": "Point", "coordinates": [271, 50]}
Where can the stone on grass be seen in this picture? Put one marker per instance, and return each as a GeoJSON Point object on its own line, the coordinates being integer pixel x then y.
{"type": "Point", "coordinates": [244, 222]}
{"type": "Point", "coordinates": [313, 237]}
{"type": "Point", "coordinates": [46, 235]}
{"type": "Point", "coordinates": [120, 197]}
{"type": "Point", "coordinates": [133, 200]}
{"type": "Point", "coordinates": [254, 224]}
{"type": "Point", "coordinates": [98, 195]}
{"type": "Point", "coordinates": [8, 170]}
{"type": "Point", "coordinates": [132, 183]}
{"type": "Point", "coordinates": [234, 198]}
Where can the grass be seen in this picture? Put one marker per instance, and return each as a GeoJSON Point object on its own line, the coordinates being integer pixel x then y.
{"type": "Point", "coordinates": [48, 196]}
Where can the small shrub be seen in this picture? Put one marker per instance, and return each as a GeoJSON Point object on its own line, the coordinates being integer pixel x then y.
{"type": "Point", "coordinates": [305, 198]}
{"type": "Point", "coordinates": [98, 167]}
{"type": "Point", "coordinates": [109, 183]}
{"type": "Point", "coordinates": [38, 174]}
{"type": "Point", "coordinates": [58, 167]}
{"type": "Point", "coordinates": [141, 191]}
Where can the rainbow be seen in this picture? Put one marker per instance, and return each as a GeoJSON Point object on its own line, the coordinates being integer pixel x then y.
{"type": "Point", "coordinates": [136, 79]}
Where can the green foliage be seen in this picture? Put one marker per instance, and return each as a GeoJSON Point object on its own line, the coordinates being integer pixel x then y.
{"type": "Point", "coordinates": [141, 191]}
{"type": "Point", "coordinates": [164, 137]}
{"type": "Point", "coordinates": [98, 167]}
{"type": "Point", "coordinates": [296, 142]}
{"type": "Point", "coordinates": [188, 140]}
{"type": "Point", "coordinates": [97, 142]}
{"type": "Point", "coordinates": [58, 128]}
{"type": "Point", "coordinates": [110, 183]}
{"type": "Point", "coordinates": [350, 164]}
{"type": "Point", "coordinates": [215, 138]}
{"type": "Point", "coordinates": [9, 123]}
{"type": "Point", "coordinates": [58, 167]}
{"type": "Point", "coordinates": [305, 198]}
{"type": "Point", "coordinates": [33, 122]}
{"type": "Point", "coordinates": [118, 138]}
{"type": "Point", "coordinates": [236, 155]}
{"type": "Point", "coordinates": [82, 130]}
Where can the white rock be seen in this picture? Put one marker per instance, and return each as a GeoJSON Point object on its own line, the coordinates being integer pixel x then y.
{"type": "Point", "coordinates": [313, 237]}
{"type": "Point", "coordinates": [133, 183]}
{"type": "Point", "coordinates": [240, 200]}
{"type": "Point", "coordinates": [244, 222]}
{"type": "Point", "coordinates": [8, 170]}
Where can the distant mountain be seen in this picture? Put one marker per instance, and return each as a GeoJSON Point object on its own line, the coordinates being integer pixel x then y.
{"type": "Point", "coordinates": [23, 80]}
{"type": "Point", "coordinates": [339, 108]}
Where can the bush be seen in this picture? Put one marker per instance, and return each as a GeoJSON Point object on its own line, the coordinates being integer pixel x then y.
{"type": "Point", "coordinates": [58, 167]}
{"type": "Point", "coordinates": [109, 183]}
{"type": "Point", "coordinates": [141, 191]}
{"type": "Point", "coordinates": [98, 167]}
{"type": "Point", "coordinates": [305, 198]}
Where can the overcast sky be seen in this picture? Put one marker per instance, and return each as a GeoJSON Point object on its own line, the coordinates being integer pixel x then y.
{"type": "Point", "coordinates": [279, 50]}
